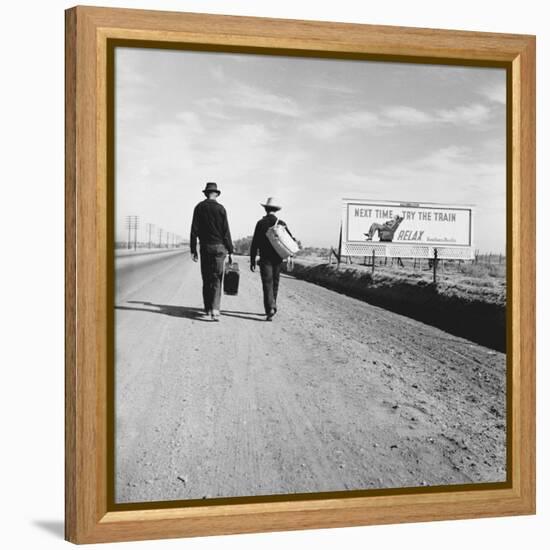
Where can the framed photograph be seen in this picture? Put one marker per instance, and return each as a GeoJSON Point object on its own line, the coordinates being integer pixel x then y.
{"type": "Point", "coordinates": [300, 274]}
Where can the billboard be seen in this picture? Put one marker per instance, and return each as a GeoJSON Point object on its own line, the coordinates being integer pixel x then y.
{"type": "Point", "coordinates": [407, 229]}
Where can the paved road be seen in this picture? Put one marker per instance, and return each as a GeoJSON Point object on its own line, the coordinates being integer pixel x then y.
{"type": "Point", "coordinates": [335, 394]}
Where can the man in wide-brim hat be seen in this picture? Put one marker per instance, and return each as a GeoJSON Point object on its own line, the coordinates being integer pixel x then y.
{"type": "Point", "coordinates": [270, 261]}
{"type": "Point", "coordinates": [211, 227]}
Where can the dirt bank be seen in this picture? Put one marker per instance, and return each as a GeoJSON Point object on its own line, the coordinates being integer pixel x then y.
{"type": "Point", "coordinates": [475, 312]}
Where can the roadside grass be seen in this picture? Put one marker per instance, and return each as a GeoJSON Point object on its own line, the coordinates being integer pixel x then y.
{"type": "Point", "coordinates": [473, 281]}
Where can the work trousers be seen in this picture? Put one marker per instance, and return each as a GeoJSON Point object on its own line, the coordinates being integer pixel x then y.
{"type": "Point", "coordinates": [270, 272]}
{"type": "Point", "coordinates": [212, 266]}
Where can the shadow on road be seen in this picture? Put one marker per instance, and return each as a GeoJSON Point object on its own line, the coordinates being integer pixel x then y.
{"type": "Point", "coordinates": [244, 315]}
{"type": "Point", "coordinates": [185, 312]}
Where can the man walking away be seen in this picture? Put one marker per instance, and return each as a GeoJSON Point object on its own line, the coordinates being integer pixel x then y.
{"type": "Point", "coordinates": [270, 261]}
{"type": "Point", "coordinates": [211, 227]}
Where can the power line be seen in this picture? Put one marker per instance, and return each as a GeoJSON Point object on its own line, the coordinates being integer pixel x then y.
{"type": "Point", "coordinates": [166, 239]}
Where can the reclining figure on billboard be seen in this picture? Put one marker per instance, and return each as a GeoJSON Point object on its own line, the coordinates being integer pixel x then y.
{"type": "Point", "coordinates": [385, 230]}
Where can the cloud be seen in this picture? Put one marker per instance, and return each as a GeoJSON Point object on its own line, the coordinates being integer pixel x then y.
{"type": "Point", "coordinates": [251, 97]}
{"type": "Point", "coordinates": [449, 174]}
{"type": "Point", "coordinates": [217, 73]}
{"type": "Point", "coordinates": [464, 115]}
{"type": "Point", "coordinates": [495, 92]}
{"type": "Point", "coordinates": [131, 88]}
{"type": "Point", "coordinates": [247, 97]}
{"type": "Point", "coordinates": [191, 122]}
{"type": "Point", "coordinates": [467, 115]}
{"type": "Point", "coordinates": [333, 88]}
{"type": "Point", "coordinates": [470, 115]}
{"type": "Point", "coordinates": [233, 152]}
{"type": "Point", "coordinates": [327, 128]}
{"type": "Point", "coordinates": [446, 159]}
{"type": "Point", "coordinates": [398, 116]}
{"type": "Point", "coordinates": [214, 107]}
{"type": "Point", "coordinates": [402, 115]}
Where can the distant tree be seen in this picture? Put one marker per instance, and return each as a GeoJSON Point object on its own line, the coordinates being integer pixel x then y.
{"type": "Point", "coordinates": [242, 246]}
{"type": "Point", "coordinates": [313, 251]}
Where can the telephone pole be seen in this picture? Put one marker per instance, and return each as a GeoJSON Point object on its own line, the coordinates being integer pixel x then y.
{"type": "Point", "coordinates": [135, 232]}
{"type": "Point", "coordinates": [149, 230]}
{"type": "Point", "coordinates": [132, 223]}
{"type": "Point", "coordinates": [129, 227]}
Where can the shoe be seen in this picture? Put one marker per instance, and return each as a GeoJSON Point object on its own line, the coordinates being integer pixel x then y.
{"type": "Point", "coordinates": [270, 315]}
{"type": "Point", "coordinates": [206, 314]}
{"type": "Point", "coordinates": [215, 315]}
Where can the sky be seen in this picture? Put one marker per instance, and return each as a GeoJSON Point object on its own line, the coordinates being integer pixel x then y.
{"type": "Point", "coordinates": [309, 132]}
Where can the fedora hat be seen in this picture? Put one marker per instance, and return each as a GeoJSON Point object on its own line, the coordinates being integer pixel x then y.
{"type": "Point", "coordinates": [211, 187]}
{"type": "Point", "coordinates": [271, 202]}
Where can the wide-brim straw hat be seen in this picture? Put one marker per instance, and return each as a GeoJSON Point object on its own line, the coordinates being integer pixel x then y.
{"type": "Point", "coordinates": [272, 203]}
{"type": "Point", "coordinates": [211, 187]}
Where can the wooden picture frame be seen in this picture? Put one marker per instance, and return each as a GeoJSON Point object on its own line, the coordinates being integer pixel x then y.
{"type": "Point", "coordinates": [90, 35]}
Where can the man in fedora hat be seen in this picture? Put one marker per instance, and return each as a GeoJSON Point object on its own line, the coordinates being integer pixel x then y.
{"type": "Point", "coordinates": [211, 227]}
{"type": "Point", "coordinates": [270, 261]}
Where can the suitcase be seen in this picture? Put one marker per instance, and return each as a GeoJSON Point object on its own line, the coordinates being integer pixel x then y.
{"type": "Point", "coordinates": [231, 279]}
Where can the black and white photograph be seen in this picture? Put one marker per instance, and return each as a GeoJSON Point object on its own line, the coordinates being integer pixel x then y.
{"type": "Point", "coordinates": [310, 270]}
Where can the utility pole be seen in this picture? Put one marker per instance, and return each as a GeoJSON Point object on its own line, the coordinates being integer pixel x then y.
{"type": "Point", "coordinates": [129, 226]}
{"type": "Point", "coordinates": [149, 230]}
{"type": "Point", "coordinates": [132, 223]}
{"type": "Point", "coordinates": [135, 232]}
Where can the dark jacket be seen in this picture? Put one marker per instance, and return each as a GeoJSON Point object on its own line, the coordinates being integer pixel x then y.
{"type": "Point", "coordinates": [261, 243]}
{"type": "Point", "coordinates": [210, 226]}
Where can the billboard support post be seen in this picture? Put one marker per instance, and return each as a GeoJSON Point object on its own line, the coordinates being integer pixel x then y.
{"type": "Point", "coordinates": [435, 266]}
{"type": "Point", "coordinates": [339, 257]}
{"type": "Point", "coordinates": [373, 260]}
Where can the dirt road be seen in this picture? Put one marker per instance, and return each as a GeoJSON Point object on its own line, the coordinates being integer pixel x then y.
{"type": "Point", "coordinates": [335, 394]}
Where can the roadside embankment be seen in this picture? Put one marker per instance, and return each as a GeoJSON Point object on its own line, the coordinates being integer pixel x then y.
{"type": "Point", "coordinates": [471, 309]}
